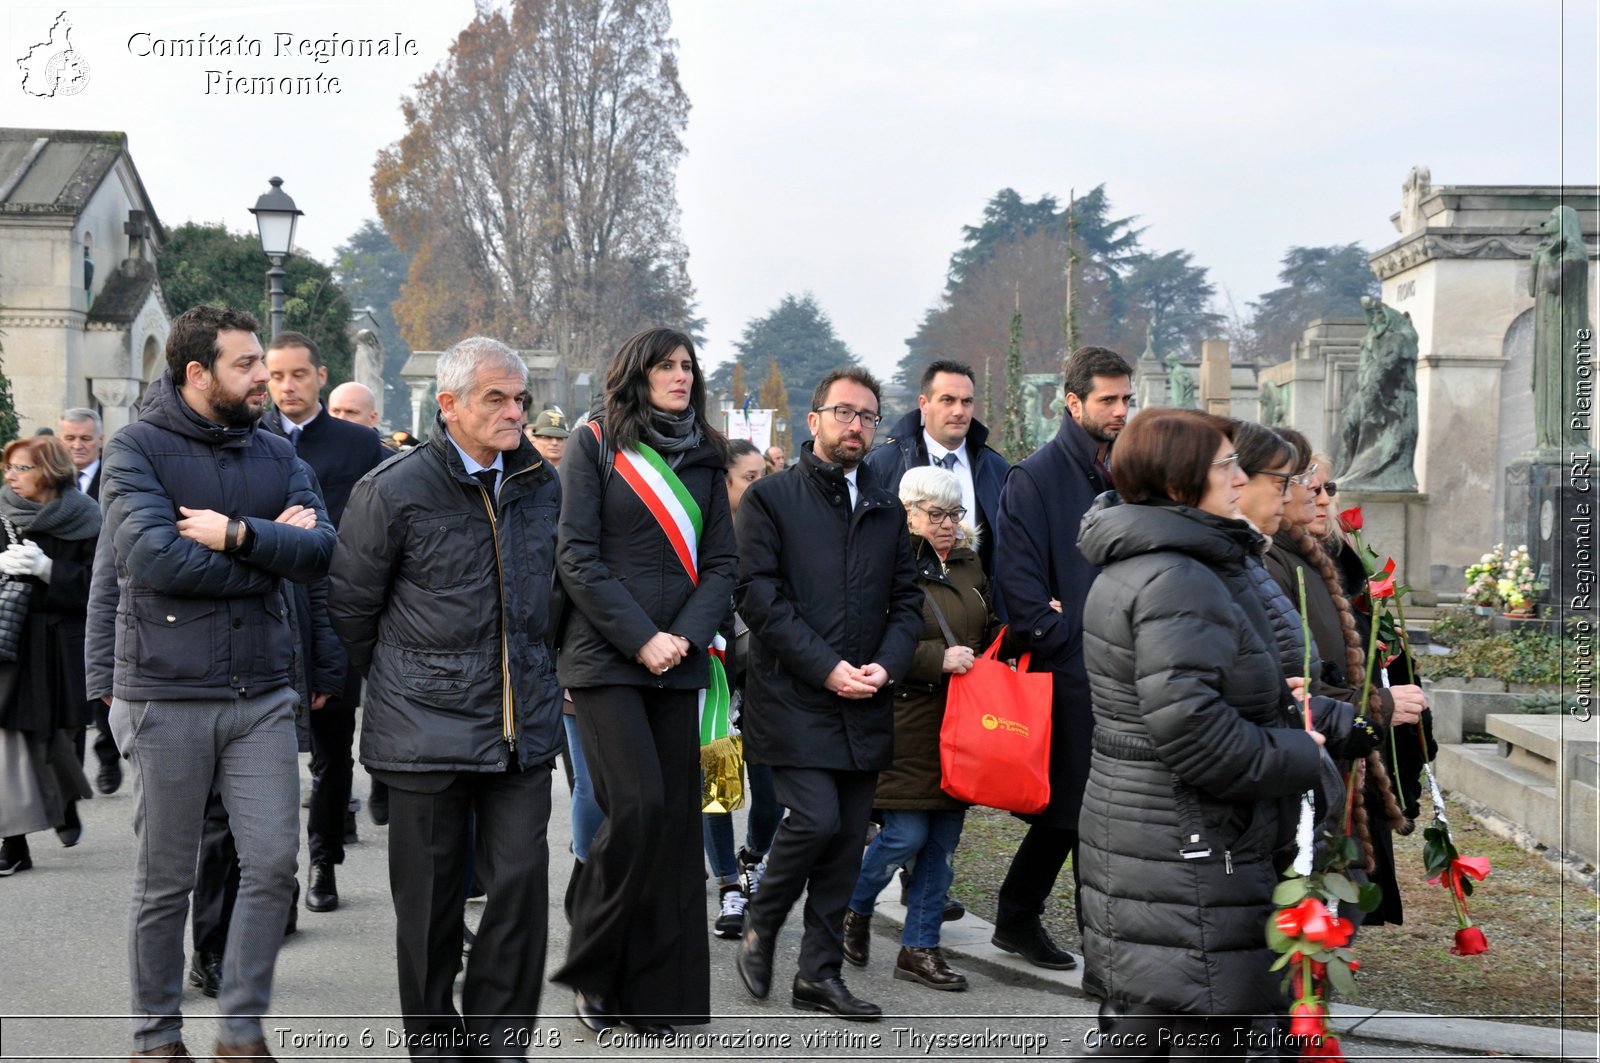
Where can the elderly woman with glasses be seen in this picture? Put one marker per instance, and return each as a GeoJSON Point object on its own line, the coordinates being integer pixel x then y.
{"type": "Point", "coordinates": [42, 696]}
{"type": "Point", "coordinates": [922, 824]}
{"type": "Point", "coordinates": [1339, 637]}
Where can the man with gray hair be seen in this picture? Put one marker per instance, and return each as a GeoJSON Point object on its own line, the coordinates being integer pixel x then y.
{"type": "Point", "coordinates": [83, 437]}
{"type": "Point", "coordinates": [442, 591]}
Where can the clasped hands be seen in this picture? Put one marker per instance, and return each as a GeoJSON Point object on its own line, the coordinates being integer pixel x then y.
{"type": "Point", "coordinates": [854, 683]}
{"type": "Point", "coordinates": [210, 528]}
{"type": "Point", "coordinates": [662, 652]}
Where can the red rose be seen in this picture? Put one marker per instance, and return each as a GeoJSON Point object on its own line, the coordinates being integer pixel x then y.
{"type": "Point", "coordinates": [1350, 519]}
{"type": "Point", "coordinates": [1470, 942]}
{"type": "Point", "coordinates": [1383, 588]}
{"type": "Point", "coordinates": [1326, 1047]}
{"type": "Point", "coordinates": [1306, 1020]}
{"type": "Point", "coordinates": [1309, 918]}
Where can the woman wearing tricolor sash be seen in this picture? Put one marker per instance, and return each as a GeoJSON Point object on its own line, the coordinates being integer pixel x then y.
{"type": "Point", "coordinates": [647, 557]}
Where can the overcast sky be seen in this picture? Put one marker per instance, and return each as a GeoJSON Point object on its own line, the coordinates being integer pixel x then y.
{"type": "Point", "coordinates": [838, 146]}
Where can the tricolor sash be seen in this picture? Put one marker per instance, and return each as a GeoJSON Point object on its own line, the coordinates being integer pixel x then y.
{"type": "Point", "coordinates": [678, 515]}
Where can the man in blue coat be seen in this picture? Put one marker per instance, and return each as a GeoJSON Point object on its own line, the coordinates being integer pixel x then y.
{"type": "Point", "coordinates": [943, 431]}
{"type": "Point", "coordinates": [1043, 581]}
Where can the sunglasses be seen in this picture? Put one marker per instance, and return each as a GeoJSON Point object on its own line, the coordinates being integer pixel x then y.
{"type": "Point", "coordinates": [1330, 489]}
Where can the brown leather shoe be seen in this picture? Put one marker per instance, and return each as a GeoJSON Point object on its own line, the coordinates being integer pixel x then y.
{"type": "Point", "coordinates": [248, 1050]}
{"type": "Point", "coordinates": [857, 937]}
{"type": "Point", "coordinates": [174, 1052]}
{"type": "Point", "coordinates": [928, 967]}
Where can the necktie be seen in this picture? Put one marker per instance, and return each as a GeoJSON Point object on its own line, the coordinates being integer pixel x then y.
{"type": "Point", "coordinates": [294, 436]}
{"type": "Point", "coordinates": [948, 461]}
{"type": "Point", "coordinates": [486, 477]}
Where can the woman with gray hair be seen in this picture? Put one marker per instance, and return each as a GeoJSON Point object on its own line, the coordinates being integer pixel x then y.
{"type": "Point", "coordinates": [922, 824]}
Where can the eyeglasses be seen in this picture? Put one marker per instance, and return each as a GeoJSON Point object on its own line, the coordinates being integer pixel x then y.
{"type": "Point", "coordinates": [1285, 477]}
{"type": "Point", "coordinates": [939, 516]}
{"type": "Point", "coordinates": [20, 468]}
{"type": "Point", "coordinates": [1231, 459]}
{"type": "Point", "coordinates": [846, 414]}
{"type": "Point", "coordinates": [1330, 489]}
{"type": "Point", "coordinates": [1305, 478]}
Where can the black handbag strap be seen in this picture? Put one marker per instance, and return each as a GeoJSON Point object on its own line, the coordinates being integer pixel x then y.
{"type": "Point", "coordinates": [938, 614]}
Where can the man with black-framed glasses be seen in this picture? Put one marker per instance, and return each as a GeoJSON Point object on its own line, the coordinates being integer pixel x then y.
{"type": "Point", "coordinates": [829, 589]}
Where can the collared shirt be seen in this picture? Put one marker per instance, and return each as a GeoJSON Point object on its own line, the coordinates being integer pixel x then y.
{"type": "Point", "coordinates": [86, 475]}
{"type": "Point", "coordinates": [962, 468]}
{"type": "Point", "coordinates": [850, 482]}
{"type": "Point", "coordinates": [499, 464]}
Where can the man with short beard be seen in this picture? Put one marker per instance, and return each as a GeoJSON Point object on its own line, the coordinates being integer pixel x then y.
{"type": "Point", "coordinates": [829, 589]}
{"type": "Point", "coordinates": [1043, 580]}
{"type": "Point", "coordinates": [206, 516]}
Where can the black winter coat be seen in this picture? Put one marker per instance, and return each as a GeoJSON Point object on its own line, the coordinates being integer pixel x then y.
{"type": "Point", "coordinates": [1037, 559]}
{"type": "Point", "coordinates": [168, 617]}
{"type": "Point", "coordinates": [623, 580]}
{"type": "Point", "coordinates": [49, 693]}
{"type": "Point", "coordinates": [1194, 734]}
{"type": "Point", "coordinates": [339, 452]}
{"type": "Point", "coordinates": [443, 597]}
{"type": "Point", "coordinates": [962, 591]}
{"type": "Point", "coordinates": [820, 583]}
{"type": "Point", "coordinates": [904, 448]}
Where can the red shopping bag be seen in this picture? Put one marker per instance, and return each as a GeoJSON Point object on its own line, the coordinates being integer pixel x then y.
{"type": "Point", "coordinates": [994, 745]}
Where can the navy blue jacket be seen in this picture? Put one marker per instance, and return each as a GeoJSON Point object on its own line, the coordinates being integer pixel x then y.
{"type": "Point", "coordinates": [1037, 559]}
{"type": "Point", "coordinates": [339, 452]}
{"type": "Point", "coordinates": [904, 448]}
{"type": "Point", "coordinates": [169, 618]}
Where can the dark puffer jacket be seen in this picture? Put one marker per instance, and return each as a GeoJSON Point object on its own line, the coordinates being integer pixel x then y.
{"type": "Point", "coordinates": [443, 597]}
{"type": "Point", "coordinates": [961, 590]}
{"type": "Point", "coordinates": [1193, 735]}
{"type": "Point", "coordinates": [820, 583]}
{"type": "Point", "coordinates": [169, 618]}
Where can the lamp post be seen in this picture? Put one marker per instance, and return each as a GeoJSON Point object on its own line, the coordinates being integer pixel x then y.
{"type": "Point", "coordinates": [276, 216]}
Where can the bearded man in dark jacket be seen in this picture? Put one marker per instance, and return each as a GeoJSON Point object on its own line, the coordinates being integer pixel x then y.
{"type": "Point", "coordinates": [829, 589]}
{"type": "Point", "coordinates": [206, 516]}
{"type": "Point", "coordinates": [1043, 580]}
{"type": "Point", "coordinates": [442, 590]}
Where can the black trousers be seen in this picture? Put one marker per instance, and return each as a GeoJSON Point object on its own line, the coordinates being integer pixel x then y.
{"type": "Point", "coordinates": [216, 880]}
{"type": "Point", "coordinates": [333, 728]}
{"type": "Point", "coordinates": [1032, 876]}
{"type": "Point", "coordinates": [429, 839]}
{"type": "Point", "coordinates": [639, 934]}
{"type": "Point", "coordinates": [817, 851]}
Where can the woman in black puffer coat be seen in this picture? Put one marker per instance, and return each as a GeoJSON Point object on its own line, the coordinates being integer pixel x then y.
{"type": "Point", "coordinates": [1199, 756]}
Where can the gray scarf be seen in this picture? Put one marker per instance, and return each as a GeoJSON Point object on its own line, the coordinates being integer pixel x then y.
{"type": "Point", "coordinates": [71, 515]}
{"type": "Point", "coordinates": [672, 434]}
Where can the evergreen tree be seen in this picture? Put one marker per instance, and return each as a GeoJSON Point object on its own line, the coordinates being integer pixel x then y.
{"type": "Point", "coordinates": [738, 388]}
{"type": "Point", "coordinates": [372, 270]}
{"type": "Point", "coordinates": [1317, 282]}
{"type": "Point", "coordinates": [798, 338]}
{"type": "Point", "coordinates": [1018, 435]}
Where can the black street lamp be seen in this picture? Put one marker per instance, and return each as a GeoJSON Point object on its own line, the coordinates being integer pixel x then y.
{"type": "Point", "coordinates": [276, 216]}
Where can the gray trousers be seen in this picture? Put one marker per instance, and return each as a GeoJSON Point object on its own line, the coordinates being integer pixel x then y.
{"type": "Point", "coordinates": [177, 747]}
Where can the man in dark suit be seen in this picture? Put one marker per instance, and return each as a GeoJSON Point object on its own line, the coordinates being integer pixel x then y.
{"type": "Point", "coordinates": [340, 453]}
{"type": "Point", "coordinates": [81, 433]}
{"type": "Point", "coordinates": [1043, 580]}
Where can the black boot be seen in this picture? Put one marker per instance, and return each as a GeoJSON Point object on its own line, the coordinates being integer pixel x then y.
{"type": "Point", "coordinates": [14, 855]}
{"type": "Point", "coordinates": [71, 829]}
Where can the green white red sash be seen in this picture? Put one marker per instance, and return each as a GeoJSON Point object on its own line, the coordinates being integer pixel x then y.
{"type": "Point", "coordinates": [679, 517]}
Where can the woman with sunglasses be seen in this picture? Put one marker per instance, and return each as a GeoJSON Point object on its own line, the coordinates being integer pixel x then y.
{"type": "Point", "coordinates": [1340, 647]}
{"type": "Point", "coordinates": [921, 823]}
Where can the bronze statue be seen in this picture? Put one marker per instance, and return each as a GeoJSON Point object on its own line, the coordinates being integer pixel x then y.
{"type": "Point", "coordinates": [1379, 436]}
{"type": "Point", "coordinates": [1180, 383]}
{"type": "Point", "coordinates": [1559, 284]}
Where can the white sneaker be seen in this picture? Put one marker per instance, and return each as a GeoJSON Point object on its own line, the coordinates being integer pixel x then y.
{"type": "Point", "coordinates": [730, 921]}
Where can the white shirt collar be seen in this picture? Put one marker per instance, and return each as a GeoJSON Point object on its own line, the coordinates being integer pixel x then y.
{"type": "Point", "coordinates": [86, 474]}
{"type": "Point", "coordinates": [498, 465]}
{"type": "Point", "coordinates": [937, 450]}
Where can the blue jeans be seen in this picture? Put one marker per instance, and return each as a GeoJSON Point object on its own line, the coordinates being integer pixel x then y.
{"type": "Point", "coordinates": [759, 827]}
{"type": "Point", "coordinates": [927, 841]}
{"type": "Point", "coordinates": [586, 814]}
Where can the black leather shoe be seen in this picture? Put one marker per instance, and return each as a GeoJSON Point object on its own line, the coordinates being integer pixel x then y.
{"type": "Point", "coordinates": [857, 937]}
{"type": "Point", "coordinates": [72, 832]}
{"type": "Point", "coordinates": [109, 779]}
{"type": "Point", "coordinates": [350, 835]}
{"type": "Point", "coordinates": [754, 963]}
{"type": "Point", "coordinates": [595, 1012]}
{"type": "Point", "coordinates": [1035, 946]}
{"type": "Point", "coordinates": [378, 805]}
{"type": "Point", "coordinates": [651, 1029]}
{"type": "Point", "coordinates": [322, 893]}
{"type": "Point", "coordinates": [953, 909]}
{"type": "Point", "coordinates": [205, 972]}
{"type": "Point", "coordinates": [832, 996]}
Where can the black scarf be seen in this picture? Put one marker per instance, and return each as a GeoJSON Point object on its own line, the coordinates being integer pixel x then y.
{"type": "Point", "coordinates": [71, 515]}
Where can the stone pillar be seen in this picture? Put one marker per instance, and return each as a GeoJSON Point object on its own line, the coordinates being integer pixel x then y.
{"type": "Point", "coordinates": [116, 396]}
{"type": "Point", "coordinates": [419, 395]}
{"type": "Point", "coordinates": [1216, 378]}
